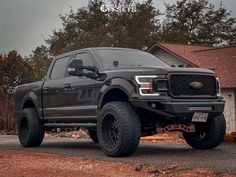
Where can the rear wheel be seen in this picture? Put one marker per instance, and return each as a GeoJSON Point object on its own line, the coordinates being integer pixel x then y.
{"type": "Point", "coordinates": [118, 129]}
{"type": "Point", "coordinates": [30, 129]}
{"type": "Point", "coordinates": [208, 135]}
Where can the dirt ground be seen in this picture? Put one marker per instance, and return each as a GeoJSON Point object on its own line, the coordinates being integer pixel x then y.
{"type": "Point", "coordinates": [28, 164]}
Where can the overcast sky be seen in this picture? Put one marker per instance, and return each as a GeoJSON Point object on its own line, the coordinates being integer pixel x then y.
{"type": "Point", "coordinates": [25, 23]}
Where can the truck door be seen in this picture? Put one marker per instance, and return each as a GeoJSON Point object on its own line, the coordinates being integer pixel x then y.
{"type": "Point", "coordinates": [53, 90]}
{"type": "Point", "coordinates": [80, 92]}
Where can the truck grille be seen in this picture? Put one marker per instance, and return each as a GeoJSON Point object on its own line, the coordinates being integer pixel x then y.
{"type": "Point", "coordinates": [184, 85]}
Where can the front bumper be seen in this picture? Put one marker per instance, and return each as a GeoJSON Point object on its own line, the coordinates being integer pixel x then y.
{"type": "Point", "coordinates": [180, 109]}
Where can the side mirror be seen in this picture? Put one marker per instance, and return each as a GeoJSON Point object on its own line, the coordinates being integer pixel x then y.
{"type": "Point", "coordinates": [76, 68]}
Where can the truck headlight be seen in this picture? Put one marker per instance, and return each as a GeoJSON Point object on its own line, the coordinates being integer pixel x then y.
{"type": "Point", "coordinates": [146, 85]}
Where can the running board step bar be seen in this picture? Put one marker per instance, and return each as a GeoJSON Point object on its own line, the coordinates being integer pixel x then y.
{"type": "Point", "coordinates": [70, 125]}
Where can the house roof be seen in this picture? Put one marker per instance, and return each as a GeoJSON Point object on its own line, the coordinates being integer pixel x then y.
{"type": "Point", "coordinates": [221, 60]}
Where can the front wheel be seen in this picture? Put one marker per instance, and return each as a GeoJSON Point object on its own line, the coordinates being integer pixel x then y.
{"type": "Point", "coordinates": [208, 135]}
{"type": "Point", "coordinates": [118, 129]}
{"type": "Point", "coordinates": [93, 135]}
{"type": "Point", "coordinates": [30, 129]}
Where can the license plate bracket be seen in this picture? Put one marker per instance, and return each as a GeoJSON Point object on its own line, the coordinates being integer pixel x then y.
{"type": "Point", "coordinates": [199, 117]}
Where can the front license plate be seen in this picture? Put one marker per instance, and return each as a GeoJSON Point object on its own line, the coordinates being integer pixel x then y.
{"type": "Point", "coordinates": [199, 117]}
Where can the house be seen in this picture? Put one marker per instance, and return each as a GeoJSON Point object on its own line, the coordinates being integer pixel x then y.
{"type": "Point", "coordinates": [222, 60]}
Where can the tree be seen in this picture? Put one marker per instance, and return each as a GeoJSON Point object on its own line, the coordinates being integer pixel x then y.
{"type": "Point", "coordinates": [90, 27]}
{"type": "Point", "coordinates": [187, 21]}
{"type": "Point", "coordinates": [198, 21]}
{"type": "Point", "coordinates": [40, 60]}
{"type": "Point", "coordinates": [137, 29]}
{"type": "Point", "coordinates": [14, 71]}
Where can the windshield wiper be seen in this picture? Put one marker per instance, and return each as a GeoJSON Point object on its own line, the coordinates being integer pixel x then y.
{"type": "Point", "coordinates": [134, 65]}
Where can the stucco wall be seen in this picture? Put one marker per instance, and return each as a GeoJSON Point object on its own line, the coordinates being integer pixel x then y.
{"type": "Point", "coordinates": [230, 114]}
{"type": "Point", "coordinates": [168, 58]}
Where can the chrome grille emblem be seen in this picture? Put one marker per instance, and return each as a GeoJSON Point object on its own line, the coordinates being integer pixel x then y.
{"type": "Point", "coordinates": [196, 85]}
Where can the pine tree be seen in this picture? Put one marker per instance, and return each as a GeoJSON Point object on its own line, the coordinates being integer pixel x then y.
{"type": "Point", "coordinates": [198, 21]}
{"type": "Point", "coordinates": [15, 71]}
{"type": "Point", "coordinates": [40, 60]}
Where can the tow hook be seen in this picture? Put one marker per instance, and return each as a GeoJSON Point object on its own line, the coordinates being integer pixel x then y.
{"type": "Point", "coordinates": [176, 127]}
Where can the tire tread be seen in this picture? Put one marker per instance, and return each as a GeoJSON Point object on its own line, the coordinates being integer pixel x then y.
{"type": "Point", "coordinates": [213, 139]}
{"type": "Point", "coordinates": [131, 127]}
{"type": "Point", "coordinates": [36, 128]}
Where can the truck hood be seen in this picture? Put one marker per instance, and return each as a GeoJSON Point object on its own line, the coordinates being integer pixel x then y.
{"type": "Point", "coordinates": [154, 70]}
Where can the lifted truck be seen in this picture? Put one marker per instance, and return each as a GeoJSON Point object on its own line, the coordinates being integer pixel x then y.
{"type": "Point", "coordinates": [120, 95]}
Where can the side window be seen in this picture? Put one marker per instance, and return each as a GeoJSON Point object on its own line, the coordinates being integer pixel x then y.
{"type": "Point", "coordinates": [87, 60]}
{"type": "Point", "coordinates": [59, 68]}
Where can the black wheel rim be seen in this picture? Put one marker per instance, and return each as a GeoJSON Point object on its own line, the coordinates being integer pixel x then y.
{"type": "Point", "coordinates": [24, 128]}
{"type": "Point", "coordinates": [114, 130]}
{"type": "Point", "coordinates": [200, 135]}
{"type": "Point", "coordinates": [202, 130]}
{"type": "Point", "coordinates": [110, 130]}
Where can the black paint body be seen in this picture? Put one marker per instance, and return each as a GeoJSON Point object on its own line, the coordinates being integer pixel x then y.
{"type": "Point", "coordinates": [78, 99]}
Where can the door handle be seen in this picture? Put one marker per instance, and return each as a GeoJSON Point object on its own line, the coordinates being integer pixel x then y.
{"type": "Point", "coordinates": [67, 87]}
{"type": "Point", "coordinates": [46, 89]}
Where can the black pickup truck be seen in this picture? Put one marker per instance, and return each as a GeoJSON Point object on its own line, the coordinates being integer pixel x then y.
{"type": "Point", "coordinates": [120, 95]}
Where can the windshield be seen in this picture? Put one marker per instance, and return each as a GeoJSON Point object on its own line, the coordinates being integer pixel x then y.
{"type": "Point", "coordinates": [126, 57]}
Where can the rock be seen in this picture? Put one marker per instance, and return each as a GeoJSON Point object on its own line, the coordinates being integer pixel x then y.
{"type": "Point", "coordinates": [138, 167]}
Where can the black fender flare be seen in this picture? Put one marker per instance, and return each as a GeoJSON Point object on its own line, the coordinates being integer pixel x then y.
{"type": "Point", "coordinates": [117, 83]}
{"type": "Point", "coordinates": [31, 96]}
